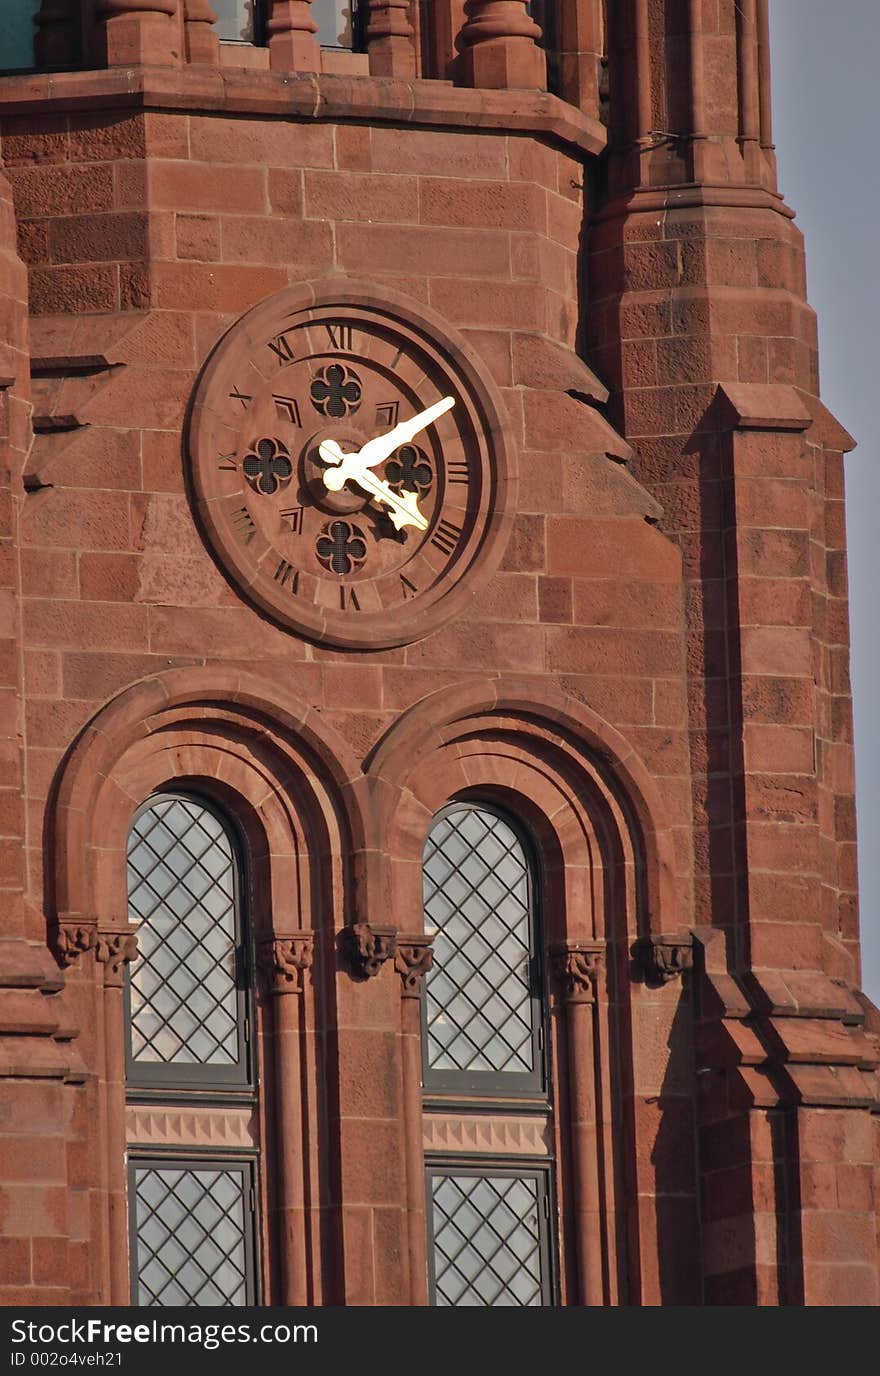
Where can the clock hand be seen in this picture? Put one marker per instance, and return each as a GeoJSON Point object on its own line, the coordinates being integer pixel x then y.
{"type": "Point", "coordinates": [383, 446]}
{"type": "Point", "coordinates": [404, 506]}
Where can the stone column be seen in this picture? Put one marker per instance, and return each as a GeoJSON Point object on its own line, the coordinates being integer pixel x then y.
{"type": "Point", "coordinates": [576, 966]}
{"type": "Point", "coordinates": [293, 46]}
{"type": "Point", "coordinates": [113, 951]}
{"type": "Point", "coordinates": [134, 33]}
{"type": "Point", "coordinates": [284, 961]}
{"type": "Point", "coordinates": [57, 40]}
{"type": "Point", "coordinates": [390, 38]}
{"type": "Point", "coordinates": [499, 46]}
{"type": "Point", "coordinates": [413, 960]}
{"type": "Point", "coordinates": [202, 39]}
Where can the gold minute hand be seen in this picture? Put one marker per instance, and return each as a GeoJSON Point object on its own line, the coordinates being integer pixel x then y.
{"type": "Point", "coordinates": [383, 446]}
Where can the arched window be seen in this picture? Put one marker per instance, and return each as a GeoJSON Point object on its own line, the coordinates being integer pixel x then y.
{"type": "Point", "coordinates": [188, 1018]}
{"type": "Point", "coordinates": [484, 1054]}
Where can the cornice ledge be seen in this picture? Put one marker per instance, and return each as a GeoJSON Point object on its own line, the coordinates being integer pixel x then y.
{"type": "Point", "coordinates": [305, 95]}
{"type": "Point", "coordinates": [762, 406]}
{"type": "Point", "coordinates": [692, 195]}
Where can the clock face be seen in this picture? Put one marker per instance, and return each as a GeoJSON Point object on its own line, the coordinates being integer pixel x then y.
{"type": "Point", "coordinates": [349, 466]}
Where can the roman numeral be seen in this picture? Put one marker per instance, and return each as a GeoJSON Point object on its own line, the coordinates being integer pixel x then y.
{"type": "Point", "coordinates": [292, 519]}
{"type": "Point", "coordinates": [397, 357]}
{"type": "Point", "coordinates": [445, 537]}
{"type": "Point", "coordinates": [225, 462]}
{"type": "Point", "coordinates": [287, 409]}
{"type": "Point", "coordinates": [243, 397]}
{"type": "Point", "coordinates": [348, 598]}
{"type": "Point", "coordinates": [407, 588]}
{"type": "Point", "coordinates": [340, 336]}
{"type": "Point", "coordinates": [280, 347]}
{"type": "Point", "coordinates": [243, 522]}
{"type": "Point", "coordinates": [457, 472]}
{"type": "Point", "coordinates": [287, 576]}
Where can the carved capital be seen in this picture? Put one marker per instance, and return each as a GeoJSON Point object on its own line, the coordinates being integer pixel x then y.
{"type": "Point", "coordinates": [413, 960]}
{"type": "Point", "coordinates": [367, 948]}
{"type": "Point", "coordinates": [576, 967]}
{"type": "Point", "coordinates": [662, 958]}
{"type": "Point", "coordinates": [283, 961]}
{"type": "Point", "coordinates": [74, 939]}
{"type": "Point", "coordinates": [114, 950]}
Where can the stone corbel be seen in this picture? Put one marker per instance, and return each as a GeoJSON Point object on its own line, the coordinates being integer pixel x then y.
{"type": "Point", "coordinates": [413, 959]}
{"type": "Point", "coordinates": [283, 961]}
{"type": "Point", "coordinates": [366, 948]}
{"type": "Point", "coordinates": [662, 958]}
{"type": "Point", "coordinates": [73, 939]}
{"type": "Point", "coordinates": [114, 950]}
{"type": "Point", "coordinates": [575, 966]}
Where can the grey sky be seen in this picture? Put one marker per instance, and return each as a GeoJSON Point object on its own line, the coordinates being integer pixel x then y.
{"type": "Point", "coordinates": [825, 62]}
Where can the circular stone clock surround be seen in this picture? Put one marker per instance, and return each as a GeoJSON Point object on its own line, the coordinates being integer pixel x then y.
{"type": "Point", "coordinates": [345, 361]}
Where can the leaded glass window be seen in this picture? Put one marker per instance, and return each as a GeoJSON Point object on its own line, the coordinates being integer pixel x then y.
{"type": "Point", "coordinates": [187, 1011]}
{"type": "Point", "coordinates": [192, 1233]}
{"type": "Point", "coordinates": [483, 1004]}
{"type": "Point", "coordinates": [17, 34]}
{"type": "Point", "coordinates": [490, 1237]}
{"type": "Point", "coordinates": [192, 1219]}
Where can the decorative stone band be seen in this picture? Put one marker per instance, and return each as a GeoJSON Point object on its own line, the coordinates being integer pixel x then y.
{"type": "Point", "coordinates": [366, 948]}
{"type": "Point", "coordinates": [486, 1134]}
{"type": "Point", "coordinates": [148, 1125]}
{"type": "Point", "coordinates": [114, 950]}
{"type": "Point", "coordinates": [413, 959]}
{"type": "Point", "coordinates": [283, 961]}
{"type": "Point", "coordinates": [576, 966]}
{"type": "Point", "coordinates": [662, 958]}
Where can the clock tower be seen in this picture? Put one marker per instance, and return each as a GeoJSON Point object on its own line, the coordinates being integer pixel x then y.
{"type": "Point", "coordinates": [429, 847]}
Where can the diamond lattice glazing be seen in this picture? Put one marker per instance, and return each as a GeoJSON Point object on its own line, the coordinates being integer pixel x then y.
{"type": "Point", "coordinates": [478, 993]}
{"type": "Point", "coordinates": [184, 1004]}
{"type": "Point", "coordinates": [487, 1244]}
{"type": "Point", "coordinates": [191, 1236]}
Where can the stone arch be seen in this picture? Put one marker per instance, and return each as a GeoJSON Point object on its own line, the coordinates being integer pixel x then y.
{"type": "Point", "coordinates": [608, 877]}
{"type": "Point", "coordinates": [575, 779]}
{"type": "Point", "coordinates": [232, 734]}
{"type": "Point", "coordinates": [287, 782]}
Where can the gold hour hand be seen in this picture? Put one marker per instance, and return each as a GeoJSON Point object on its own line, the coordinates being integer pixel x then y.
{"type": "Point", "coordinates": [403, 506]}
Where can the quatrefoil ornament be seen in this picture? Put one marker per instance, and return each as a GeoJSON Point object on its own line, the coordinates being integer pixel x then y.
{"type": "Point", "coordinates": [268, 468]}
{"type": "Point", "coordinates": [336, 391]}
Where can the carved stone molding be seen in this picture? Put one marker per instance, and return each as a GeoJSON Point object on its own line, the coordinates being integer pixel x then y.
{"type": "Point", "coordinates": [662, 958]}
{"type": "Point", "coordinates": [486, 1133]}
{"type": "Point", "coordinates": [367, 948]}
{"type": "Point", "coordinates": [147, 1125]}
{"type": "Point", "coordinates": [576, 967]}
{"type": "Point", "coordinates": [283, 961]}
{"type": "Point", "coordinates": [413, 959]}
{"type": "Point", "coordinates": [114, 950]}
{"type": "Point", "coordinates": [73, 940]}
